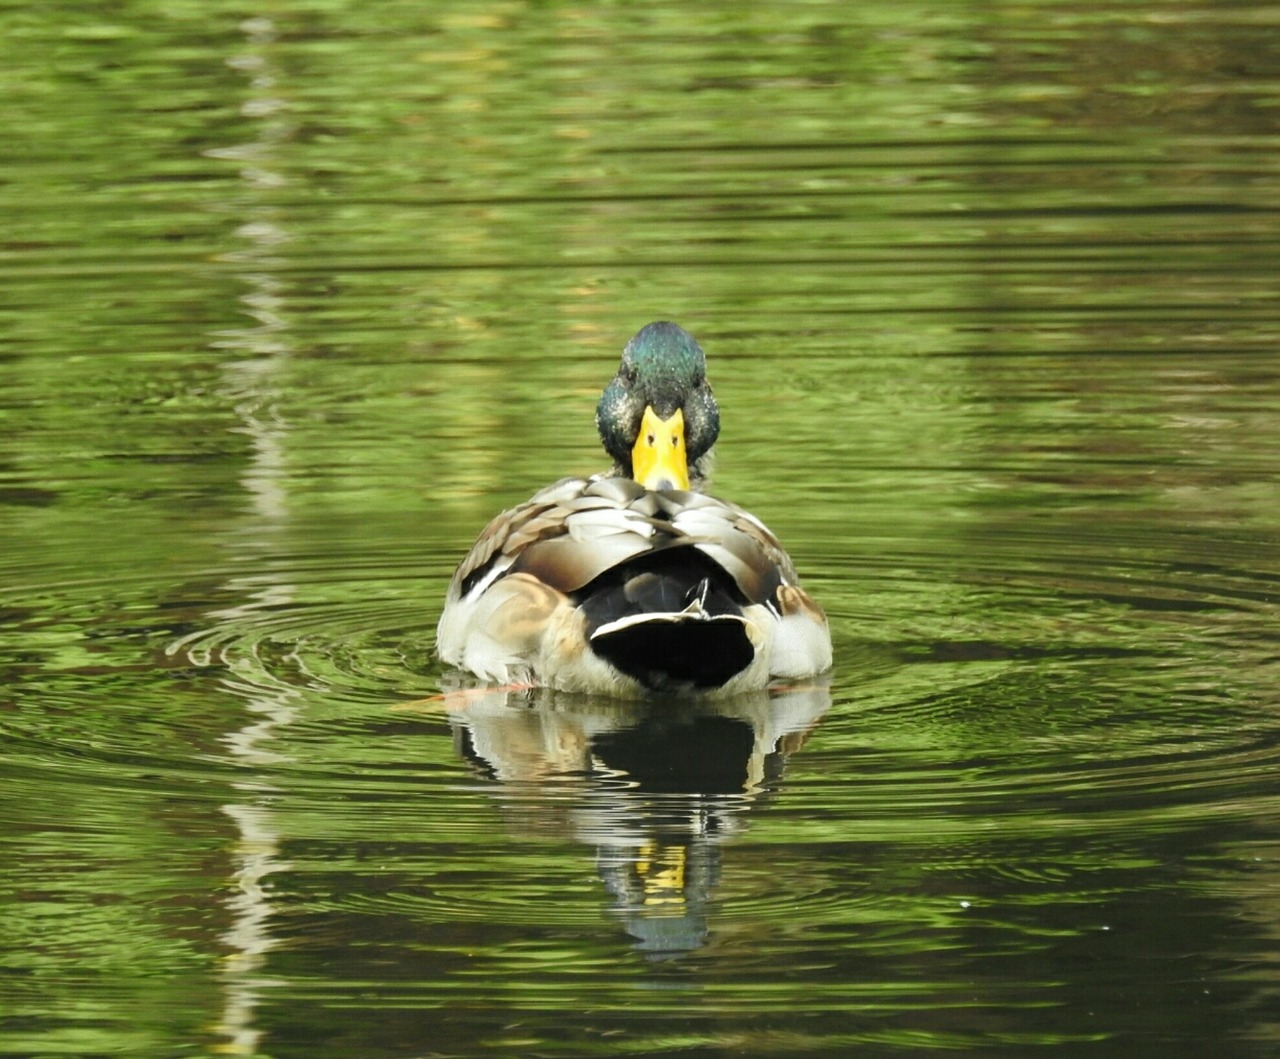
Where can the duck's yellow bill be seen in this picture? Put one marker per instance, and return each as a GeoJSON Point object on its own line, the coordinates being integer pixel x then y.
{"type": "Point", "coordinates": [658, 458]}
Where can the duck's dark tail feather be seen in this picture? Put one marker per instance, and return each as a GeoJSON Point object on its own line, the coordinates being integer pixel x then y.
{"type": "Point", "coordinates": [672, 628]}
{"type": "Point", "coordinates": [665, 651]}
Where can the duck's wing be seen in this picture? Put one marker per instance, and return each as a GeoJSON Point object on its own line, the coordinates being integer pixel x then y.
{"type": "Point", "coordinates": [748, 550]}
{"type": "Point", "coordinates": [735, 540]}
{"type": "Point", "coordinates": [564, 536]}
{"type": "Point", "coordinates": [510, 609]}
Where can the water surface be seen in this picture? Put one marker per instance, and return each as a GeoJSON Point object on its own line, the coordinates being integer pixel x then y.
{"type": "Point", "coordinates": [989, 297]}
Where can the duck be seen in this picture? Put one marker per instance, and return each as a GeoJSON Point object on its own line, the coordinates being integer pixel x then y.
{"type": "Point", "coordinates": [636, 581]}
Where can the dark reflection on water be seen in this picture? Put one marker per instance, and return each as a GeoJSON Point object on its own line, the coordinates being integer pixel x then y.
{"type": "Point", "coordinates": [989, 296]}
{"type": "Point", "coordinates": [663, 784]}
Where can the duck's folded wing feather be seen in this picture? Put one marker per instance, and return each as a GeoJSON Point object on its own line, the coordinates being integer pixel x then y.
{"type": "Point", "coordinates": [568, 565]}
{"type": "Point", "coordinates": [508, 534]}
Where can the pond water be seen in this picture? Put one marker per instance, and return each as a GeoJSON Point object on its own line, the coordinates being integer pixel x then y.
{"type": "Point", "coordinates": [990, 298]}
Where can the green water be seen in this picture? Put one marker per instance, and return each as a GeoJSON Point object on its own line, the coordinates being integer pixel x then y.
{"type": "Point", "coordinates": [989, 296]}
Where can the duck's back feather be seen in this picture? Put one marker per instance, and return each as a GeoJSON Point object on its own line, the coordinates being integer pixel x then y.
{"type": "Point", "coordinates": [668, 587]}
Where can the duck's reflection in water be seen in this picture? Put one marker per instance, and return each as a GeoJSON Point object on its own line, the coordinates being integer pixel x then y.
{"type": "Point", "coordinates": [655, 787]}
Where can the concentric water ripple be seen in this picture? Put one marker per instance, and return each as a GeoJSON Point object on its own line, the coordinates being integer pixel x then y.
{"type": "Point", "coordinates": [342, 625]}
{"type": "Point", "coordinates": [1112, 658]}
{"type": "Point", "coordinates": [1003, 732]}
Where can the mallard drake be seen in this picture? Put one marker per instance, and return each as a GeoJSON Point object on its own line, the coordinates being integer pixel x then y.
{"type": "Point", "coordinates": [636, 581]}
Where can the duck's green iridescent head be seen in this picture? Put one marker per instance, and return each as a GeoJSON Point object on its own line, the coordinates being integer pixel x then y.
{"type": "Point", "coordinates": [658, 418]}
